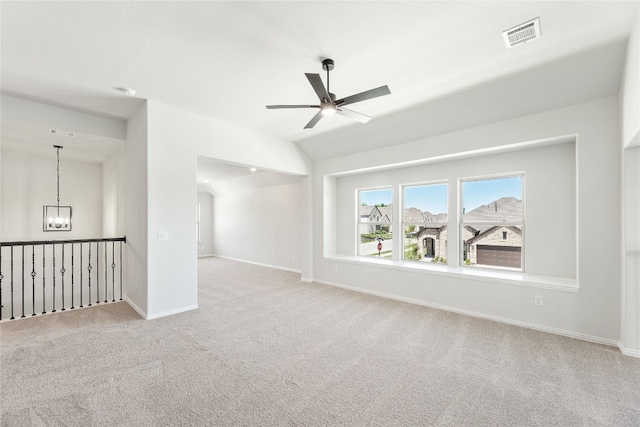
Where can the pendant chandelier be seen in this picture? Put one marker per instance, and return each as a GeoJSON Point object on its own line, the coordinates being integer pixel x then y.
{"type": "Point", "coordinates": [57, 218]}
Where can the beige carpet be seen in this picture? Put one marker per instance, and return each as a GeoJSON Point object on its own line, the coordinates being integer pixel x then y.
{"type": "Point", "coordinates": [265, 349]}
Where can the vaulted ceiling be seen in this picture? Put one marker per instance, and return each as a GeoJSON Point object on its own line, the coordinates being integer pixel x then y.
{"type": "Point", "coordinates": [445, 62]}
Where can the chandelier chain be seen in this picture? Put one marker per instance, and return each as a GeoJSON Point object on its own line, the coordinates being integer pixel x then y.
{"type": "Point", "coordinates": [58, 174]}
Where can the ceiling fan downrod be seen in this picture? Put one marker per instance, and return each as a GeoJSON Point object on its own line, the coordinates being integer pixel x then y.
{"type": "Point", "coordinates": [328, 65]}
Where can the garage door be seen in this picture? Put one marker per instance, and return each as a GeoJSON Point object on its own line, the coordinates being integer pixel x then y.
{"type": "Point", "coordinates": [503, 256]}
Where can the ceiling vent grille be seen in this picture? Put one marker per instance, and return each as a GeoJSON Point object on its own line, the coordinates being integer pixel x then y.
{"type": "Point", "coordinates": [522, 33]}
{"type": "Point", "coordinates": [62, 132]}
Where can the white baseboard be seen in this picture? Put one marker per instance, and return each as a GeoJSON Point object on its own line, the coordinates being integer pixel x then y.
{"type": "Point", "coordinates": [537, 327]}
{"type": "Point", "coordinates": [629, 351]}
{"type": "Point", "coordinates": [135, 307]}
{"type": "Point", "coordinates": [171, 312]}
{"type": "Point", "coordinates": [277, 267]}
{"type": "Point", "coordinates": [305, 279]}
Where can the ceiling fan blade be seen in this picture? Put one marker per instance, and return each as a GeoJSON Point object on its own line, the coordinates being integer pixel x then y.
{"type": "Point", "coordinates": [314, 120]}
{"type": "Point", "coordinates": [363, 96]}
{"type": "Point", "coordinates": [353, 115]}
{"type": "Point", "coordinates": [318, 86]}
{"type": "Point", "coordinates": [273, 107]}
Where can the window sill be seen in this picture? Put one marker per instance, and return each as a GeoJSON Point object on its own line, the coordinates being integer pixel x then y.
{"type": "Point", "coordinates": [487, 275]}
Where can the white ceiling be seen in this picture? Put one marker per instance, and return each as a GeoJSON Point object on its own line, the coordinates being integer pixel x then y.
{"type": "Point", "coordinates": [445, 62]}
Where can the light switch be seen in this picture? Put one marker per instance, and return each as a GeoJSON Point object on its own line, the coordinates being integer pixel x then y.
{"type": "Point", "coordinates": [163, 235]}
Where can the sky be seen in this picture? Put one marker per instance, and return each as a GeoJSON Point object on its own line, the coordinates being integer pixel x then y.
{"type": "Point", "coordinates": [478, 193]}
{"type": "Point", "coordinates": [377, 197]}
{"type": "Point", "coordinates": [433, 198]}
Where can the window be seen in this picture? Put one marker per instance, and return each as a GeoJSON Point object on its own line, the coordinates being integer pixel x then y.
{"type": "Point", "coordinates": [492, 226]}
{"type": "Point", "coordinates": [424, 222]}
{"type": "Point", "coordinates": [375, 220]}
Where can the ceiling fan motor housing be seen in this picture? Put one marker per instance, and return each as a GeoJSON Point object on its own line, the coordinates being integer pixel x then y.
{"type": "Point", "coordinates": [328, 64]}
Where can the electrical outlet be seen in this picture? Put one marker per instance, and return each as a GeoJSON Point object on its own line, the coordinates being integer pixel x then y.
{"type": "Point", "coordinates": [294, 257]}
{"type": "Point", "coordinates": [335, 268]}
{"type": "Point", "coordinates": [538, 301]}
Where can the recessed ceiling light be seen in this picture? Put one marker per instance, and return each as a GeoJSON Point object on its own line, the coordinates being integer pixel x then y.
{"type": "Point", "coordinates": [128, 91]}
{"type": "Point", "coordinates": [206, 181]}
{"type": "Point", "coordinates": [253, 169]}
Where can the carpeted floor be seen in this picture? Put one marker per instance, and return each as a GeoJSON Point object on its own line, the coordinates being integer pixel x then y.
{"type": "Point", "coordinates": [265, 349]}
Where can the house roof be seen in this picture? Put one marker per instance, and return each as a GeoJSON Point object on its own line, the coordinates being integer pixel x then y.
{"type": "Point", "coordinates": [365, 210]}
{"type": "Point", "coordinates": [491, 230]}
{"type": "Point", "coordinates": [507, 209]}
{"type": "Point", "coordinates": [386, 211]}
{"type": "Point", "coordinates": [413, 215]}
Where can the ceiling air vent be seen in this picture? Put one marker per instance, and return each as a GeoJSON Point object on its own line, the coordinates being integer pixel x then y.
{"type": "Point", "coordinates": [62, 132]}
{"type": "Point", "coordinates": [522, 33]}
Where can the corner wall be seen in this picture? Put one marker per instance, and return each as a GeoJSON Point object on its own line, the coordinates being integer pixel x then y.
{"type": "Point", "coordinates": [205, 246]}
{"type": "Point", "coordinates": [174, 139]}
{"type": "Point", "coordinates": [630, 142]}
{"type": "Point", "coordinates": [136, 212]}
{"type": "Point", "coordinates": [261, 224]}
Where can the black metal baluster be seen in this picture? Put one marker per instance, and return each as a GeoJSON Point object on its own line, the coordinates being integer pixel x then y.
{"type": "Point", "coordinates": [120, 271]}
{"type": "Point", "coordinates": [89, 274]}
{"type": "Point", "coordinates": [72, 274]}
{"type": "Point", "coordinates": [106, 272]}
{"type": "Point", "coordinates": [12, 284]}
{"type": "Point", "coordinates": [44, 251]}
{"type": "Point", "coordinates": [81, 282]}
{"type": "Point", "coordinates": [62, 271]}
{"type": "Point", "coordinates": [33, 280]}
{"type": "Point", "coordinates": [54, 277]}
{"type": "Point", "coordinates": [113, 271]}
{"type": "Point", "coordinates": [22, 282]}
{"type": "Point", "coordinates": [97, 273]}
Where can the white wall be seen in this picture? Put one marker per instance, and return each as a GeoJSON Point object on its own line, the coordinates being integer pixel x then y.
{"type": "Point", "coordinates": [261, 224]}
{"type": "Point", "coordinates": [29, 183]}
{"type": "Point", "coordinates": [161, 195]}
{"type": "Point", "coordinates": [43, 117]}
{"type": "Point", "coordinates": [596, 126]}
{"type": "Point", "coordinates": [136, 212]}
{"type": "Point", "coordinates": [205, 246]}
{"type": "Point", "coordinates": [630, 90]}
{"type": "Point", "coordinates": [113, 184]}
{"type": "Point", "coordinates": [630, 105]}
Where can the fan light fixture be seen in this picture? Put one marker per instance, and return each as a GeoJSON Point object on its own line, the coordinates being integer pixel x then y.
{"type": "Point", "coordinates": [57, 218]}
{"type": "Point", "coordinates": [328, 109]}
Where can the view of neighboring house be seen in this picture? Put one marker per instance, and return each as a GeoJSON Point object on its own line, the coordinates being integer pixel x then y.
{"type": "Point", "coordinates": [376, 214]}
{"type": "Point", "coordinates": [494, 245]}
{"type": "Point", "coordinates": [484, 244]}
{"type": "Point", "coordinates": [497, 245]}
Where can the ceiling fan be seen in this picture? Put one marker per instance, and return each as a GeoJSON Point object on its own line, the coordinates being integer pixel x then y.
{"type": "Point", "coordinates": [329, 104]}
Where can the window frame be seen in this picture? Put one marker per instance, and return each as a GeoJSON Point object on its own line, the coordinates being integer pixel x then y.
{"type": "Point", "coordinates": [359, 223]}
{"type": "Point", "coordinates": [404, 224]}
{"type": "Point", "coordinates": [462, 250]}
